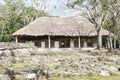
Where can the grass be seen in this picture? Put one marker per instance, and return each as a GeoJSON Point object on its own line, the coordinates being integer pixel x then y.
{"type": "Point", "coordinates": [82, 78]}
{"type": "Point", "coordinates": [87, 78]}
{"type": "Point", "coordinates": [17, 66]}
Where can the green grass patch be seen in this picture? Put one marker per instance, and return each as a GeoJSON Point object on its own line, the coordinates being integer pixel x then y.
{"type": "Point", "coordinates": [17, 66]}
{"type": "Point", "coordinates": [87, 78]}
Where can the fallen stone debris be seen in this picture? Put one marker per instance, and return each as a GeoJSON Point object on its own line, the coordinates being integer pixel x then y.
{"type": "Point", "coordinates": [22, 61]}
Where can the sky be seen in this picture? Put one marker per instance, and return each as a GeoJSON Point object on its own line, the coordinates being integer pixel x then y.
{"type": "Point", "coordinates": [57, 8]}
{"type": "Point", "coordinates": [1, 1]}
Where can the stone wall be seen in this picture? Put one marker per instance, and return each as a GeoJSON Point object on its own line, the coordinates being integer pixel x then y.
{"type": "Point", "coordinates": [15, 49]}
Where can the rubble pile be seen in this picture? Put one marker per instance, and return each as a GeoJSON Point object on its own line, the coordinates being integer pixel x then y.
{"type": "Point", "coordinates": [21, 62]}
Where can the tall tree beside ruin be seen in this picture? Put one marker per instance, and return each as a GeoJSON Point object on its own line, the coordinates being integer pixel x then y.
{"type": "Point", "coordinates": [113, 24]}
{"type": "Point", "coordinates": [114, 10]}
{"type": "Point", "coordinates": [95, 11]}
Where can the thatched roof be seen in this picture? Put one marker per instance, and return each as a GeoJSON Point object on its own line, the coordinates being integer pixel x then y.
{"type": "Point", "coordinates": [55, 26]}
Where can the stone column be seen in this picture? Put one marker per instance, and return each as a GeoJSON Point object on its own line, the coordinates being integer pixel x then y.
{"type": "Point", "coordinates": [16, 39]}
{"type": "Point", "coordinates": [94, 44]}
{"type": "Point", "coordinates": [108, 43]}
{"type": "Point", "coordinates": [56, 44]}
{"type": "Point", "coordinates": [49, 42]}
{"type": "Point", "coordinates": [79, 44]}
{"type": "Point", "coordinates": [71, 43]}
{"type": "Point", "coordinates": [42, 44]}
{"type": "Point", "coordinates": [85, 44]}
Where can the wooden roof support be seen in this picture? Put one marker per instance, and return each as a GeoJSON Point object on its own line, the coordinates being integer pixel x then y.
{"type": "Point", "coordinates": [16, 39]}
{"type": "Point", "coordinates": [49, 42]}
{"type": "Point", "coordinates": [79, 44]}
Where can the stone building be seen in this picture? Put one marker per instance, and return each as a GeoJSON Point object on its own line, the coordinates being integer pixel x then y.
{"type": "Point", "coordinates": [56, 32]}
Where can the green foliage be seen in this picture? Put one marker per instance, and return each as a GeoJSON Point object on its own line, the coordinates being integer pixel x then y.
{"type": "Point", "coordinates": [14, 15]}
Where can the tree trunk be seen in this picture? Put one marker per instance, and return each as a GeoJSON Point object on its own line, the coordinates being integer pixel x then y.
{"type": "Point", "coordinates": [115, 39]}
{"type": "Point", "coordinates": [99, 38]}
{"type": "Point", "coordinates": [119, 43]}
{"type": "Point", "coordinates": [110, 40]}
{"type": "Point", "coordinates": [1, 35]}
{"type": "Point", "coordinates": [111, 45]}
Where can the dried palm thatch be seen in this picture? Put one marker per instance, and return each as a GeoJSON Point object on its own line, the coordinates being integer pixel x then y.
{"type": "Point", "coordinates": [55, 26]}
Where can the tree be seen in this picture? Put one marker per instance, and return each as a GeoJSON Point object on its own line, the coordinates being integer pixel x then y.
{"type": "Point", "coordinates": [12, 18]}
{"type": "Point", "coordinates": [96, 12]}
{"type": "Point", "coordinates": [113, 22]}
{"type": "Point", "coordinates": [3, 19]}
{"type": "Point", "coordinates": [114, 17]}
{"type": "Point", "coordinates": [16, 15]}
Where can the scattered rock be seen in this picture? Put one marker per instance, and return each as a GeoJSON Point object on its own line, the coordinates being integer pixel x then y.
{"type": "Point", "coordinates": [20, 77]}
{"type": "Point", "coordinates": [31, 76]}
{"type": "Point", "coordinates": [111, 68]}
{"type": "Point", "coordinates": [27, 68]}
{"type": "Point", "coordinates": [104, 73]}
{"type": "Point", "coordinates": [32, 51]}
{"type": "Point", "coordinates": [23, 52]}
{"type": "Point", "coordinates": [103, 58]}
{"type": "Point", "coordinates": [65, 74]}
{"type": "Point", "coordinates": [57, 67]}
{"type": "Point", "coordinates": [7, 53]}
{"type": "Point", "coordinates": [60, 63]}
{"type": "Point", "coordinates": [10, 73]}
{"type": "Point", "coordinates": [18, 60]}
{"type": "Point", "coordinates": [4, 77]}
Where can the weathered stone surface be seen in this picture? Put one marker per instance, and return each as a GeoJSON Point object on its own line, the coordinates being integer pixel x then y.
{"type": "Point", "coordinates": [31, 76]}
{"type": "Point", "coordinates": [21, 76]}
{"type": "Point", "coordinates": [16, 49]}
{"type": "Point", "coordinates": [57, 63]}
{"type": "Point", "coordinates": [32, 51]}
{"type": "Point", "coordinates": [4, 77]}
{"type": "Point", "coordinates": [6, 62]}
{"type": "Point", "coordinates": [65, 74]}
{"type": "Point", "coordinates": [2, 71]}
{"type": "Point", "coordinates": [18, 59]}
{"type": "Point", "coordinates": [7, 52]}
{"type": "Point", "coordinates": [27, 68]}
{"type": "Point", "coordinates": [104, 73]}
{"type": "Point", "coordinates": [23, 52]}
{"type": "Point", "coordinates": [7, 45]}
{"type": "Point", "coordinates": [1, 52]}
